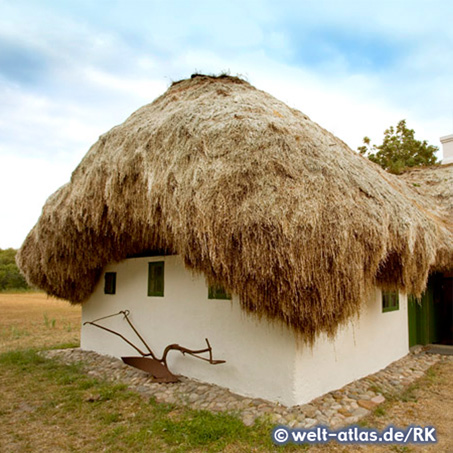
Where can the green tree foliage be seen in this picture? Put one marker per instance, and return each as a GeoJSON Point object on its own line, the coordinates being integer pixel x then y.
{"type": "Point", "coordinates": [399, 150]}
{"type": "Point", "coordinates": [10, 277]}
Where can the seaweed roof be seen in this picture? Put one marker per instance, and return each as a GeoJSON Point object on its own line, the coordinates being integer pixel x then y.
{"type": "Point", "coordinates": [249, 192]}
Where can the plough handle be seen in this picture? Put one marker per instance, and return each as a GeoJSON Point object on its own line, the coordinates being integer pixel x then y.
{"type": "Point", "coordinates": [191, 352]}
{"type": "Point", "coordinates": [119, 335]}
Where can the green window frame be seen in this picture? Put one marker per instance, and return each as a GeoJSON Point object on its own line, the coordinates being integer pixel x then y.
{"type": "Point", "coordinates": [218, 292]}
{"type": "Point", "coordinates": [156, 274]}
{"type": "Point", "coordinates": [110, 283]}
{"type": "Point", "coordinates": [390, 301]}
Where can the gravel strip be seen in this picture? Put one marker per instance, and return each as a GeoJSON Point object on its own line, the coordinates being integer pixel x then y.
{"type": "Point", "coordinates": [335, 409]}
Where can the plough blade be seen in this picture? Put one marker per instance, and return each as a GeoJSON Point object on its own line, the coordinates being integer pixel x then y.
{"type": "Point", "coordinates": [157, 370]}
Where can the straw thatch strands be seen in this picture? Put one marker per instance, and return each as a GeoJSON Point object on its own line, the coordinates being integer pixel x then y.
{"type": "Point", "coordinates": [249, 192]}
{"type": "Point", "coordinates": [434, 189]}
{"type": "Point", "coordinates": [432, 192]}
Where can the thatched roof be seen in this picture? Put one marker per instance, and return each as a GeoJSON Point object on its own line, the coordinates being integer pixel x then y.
{"type": "Point", "coordinates": [433, 187]}
{"type": "Point", "coordinates": [249, 192]}
{"type": "Point", "coordinates": [432, 192]}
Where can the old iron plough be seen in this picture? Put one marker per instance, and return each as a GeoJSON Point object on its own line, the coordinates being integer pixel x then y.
{"type": "Point", "coordinates": [148, 361]}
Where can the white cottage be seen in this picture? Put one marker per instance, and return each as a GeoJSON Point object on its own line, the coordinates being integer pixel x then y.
{"type": "Point", "coordinates": [263, 359]}
{"type": "Point", "coordinates": [219, 212]}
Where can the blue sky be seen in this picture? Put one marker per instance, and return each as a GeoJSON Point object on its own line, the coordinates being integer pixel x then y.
{"type": "Point", "coordinates": [72, 69]}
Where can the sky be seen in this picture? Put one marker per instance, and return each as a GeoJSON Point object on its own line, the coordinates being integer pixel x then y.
{"type": "Point", "coordinates": [70, 70]}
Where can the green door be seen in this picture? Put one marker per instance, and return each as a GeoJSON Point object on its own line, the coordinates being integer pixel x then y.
{"type": "Point", "coordinates": [412, 309]}
{"type": "Point", "coordinates": [423, 318]}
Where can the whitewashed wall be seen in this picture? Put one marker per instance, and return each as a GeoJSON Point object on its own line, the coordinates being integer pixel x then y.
{"type": "Point", "coordinates": [262, 360]}
{"type": "Point", "coordinates": [447, 149]}
{"type": "Point", "coordinates": [360, 348]}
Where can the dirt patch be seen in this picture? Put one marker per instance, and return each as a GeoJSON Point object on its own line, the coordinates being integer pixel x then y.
{"type": "Point", "coordinates": [429, 402]}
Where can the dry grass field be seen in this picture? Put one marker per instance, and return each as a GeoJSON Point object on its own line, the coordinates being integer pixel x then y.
{"type": "Point", "coordinates": [34, 320]}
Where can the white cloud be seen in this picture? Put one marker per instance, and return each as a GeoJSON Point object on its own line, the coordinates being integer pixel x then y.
{"type": "Point", "coordinates": [138, 87]}
{"type": "Point", "coordinates": [25, 184]}
{"type": "Point", "coordinates": [36, 125]}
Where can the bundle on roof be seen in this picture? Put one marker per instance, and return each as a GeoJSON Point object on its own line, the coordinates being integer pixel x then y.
{"type": "Point", "coordinates": [431, 189]}
{"type": "Point", "coordinates": [249, 192]}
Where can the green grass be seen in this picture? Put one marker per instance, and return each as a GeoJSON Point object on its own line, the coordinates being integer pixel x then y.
{"type": "Point", "coordinates": [13, 333]}
{"type": "Point", "coordinates": [48, 393]}
{"type": "Point", "coordinates": [198, 428]}
{"type": "Point", "coordinates": [49, 323]}
{"type": "Point", "coordinates": [19, 290]}
{"type": "Point", "coordinates": [380, 411]}
{"type": "Point", "coordinates": [376, 389]}
{"type": "Point", "coordinates": [431, 373]}
{"type": "Point", "coordinates": [408, 394]}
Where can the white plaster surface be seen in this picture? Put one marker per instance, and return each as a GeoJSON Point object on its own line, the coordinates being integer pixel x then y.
{"type": "Point", "coordinates": [361, 348]}
{"type": "Point", "coordinates": [262, 360]}
{"type": "Point", "coordinates": [447, 149]}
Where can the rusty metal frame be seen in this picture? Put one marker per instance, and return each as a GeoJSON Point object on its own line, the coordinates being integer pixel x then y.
{"type": "Point", "coordinates": [148, 361]}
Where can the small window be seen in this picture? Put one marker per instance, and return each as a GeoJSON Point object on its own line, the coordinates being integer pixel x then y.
{"type": "Point", "coordinates": [156, 279]}
{"type": "Point", "coordinates": [390, 301]}
{"type": "Point", "coordinates": [217, 292]}
{"type": "Point", "coordinates": [110, 283]}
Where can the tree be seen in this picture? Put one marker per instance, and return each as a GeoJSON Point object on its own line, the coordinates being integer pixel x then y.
{"type": "Point", "coordinates": [10, 277]}
{"type": "Point", "coordinates": [399, 150]}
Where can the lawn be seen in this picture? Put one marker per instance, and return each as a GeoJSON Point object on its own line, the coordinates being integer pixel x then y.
{"type": "Point", "coordinates": [47, 406]}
